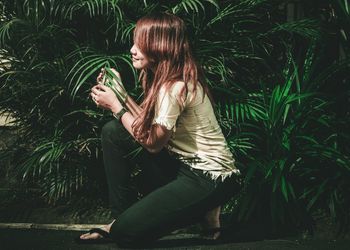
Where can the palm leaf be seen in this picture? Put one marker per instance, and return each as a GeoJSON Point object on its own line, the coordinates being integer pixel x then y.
{"type": "Point", "coordinates": [90, 65]}
{"type": "Point", "coordinates": [308, 28]}
{"type": "Point", "coordinates": [192, 6]}
{"type": "Point", "coordinates": [5, 29]}
{"type": "Point", "coordinates": [235, 9]}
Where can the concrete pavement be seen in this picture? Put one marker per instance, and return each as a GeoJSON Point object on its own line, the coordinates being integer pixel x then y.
{"type": "Point", "coordinates": [37, 239]}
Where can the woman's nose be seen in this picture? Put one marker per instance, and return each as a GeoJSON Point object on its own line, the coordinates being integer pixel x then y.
{"type": "Point", "coordinates": [133, 50]}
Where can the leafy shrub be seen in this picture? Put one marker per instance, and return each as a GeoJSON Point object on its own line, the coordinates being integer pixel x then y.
{"type": "Point", "coordinates": [270, 78]}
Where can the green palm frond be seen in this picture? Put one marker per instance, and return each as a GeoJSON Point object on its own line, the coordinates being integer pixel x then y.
{"type": "Point", "coordinates": [87, 112]}
{"type": "Point", "coordinates": [235, 9]}
{"type": "Point", "coordinates": [341, 7]}
{"type": "Point", "coordinates": [35, 10]}
{"type": "Point", "coordinates": [243, 144]}
{"type": "Point", "coordinates": [46, 155]}
{"type": "Point", "coordinates": [333, 69]}
{"type": "Point", "coordinates": [66, 9]}
{"type": "Point", "coordinates": [309, 62]}
{"type": "Point", "coordinates": [280, 118]}
{"type": "Point", "coordinates": [51, 161]}
{"type": "Point", "coordinates": [6, 29]}
{"type": "Point", "coordinates": [282, 97]}
{"type": "Point", "coordinates": [110, 9]}
{"type": "Point", "coordinates": [280, 104]}
{"type": "Point", "coordinates": [216, 66]}
{"type": "Point", "coordinates": [309, 28]}
{"type": "Point", "coordinates": [217, 57]}
{"type": "Point", "coordinates": [345, 6]}
{"type": "Point", "coordinates": [243, 109]}
{"type": "Point", "coordinates": [126, 34]}
{"type": "Point", "coordinates": [327, 152]}
{"type": "Point", "coordinates": [90, 64]}
{"type": "Point", "coordinates": [323, 187]}
{"type": "Point", "coordinates": [192, 6]}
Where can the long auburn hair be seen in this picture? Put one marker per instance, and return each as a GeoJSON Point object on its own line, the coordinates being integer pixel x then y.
{"type": "Point", "coordinates": [163, 40]}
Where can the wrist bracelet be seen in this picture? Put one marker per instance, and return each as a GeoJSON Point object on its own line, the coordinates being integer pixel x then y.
{"type": "Point", "coordinates": [119, 115]}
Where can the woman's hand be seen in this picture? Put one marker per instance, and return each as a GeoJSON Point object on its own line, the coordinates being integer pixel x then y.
{"type": "Point", "coordinates": [117, 74]}
{"type": "Point", "coordinates": [101, 77]}
{"type": "Point", "coordinates": [105, 98]}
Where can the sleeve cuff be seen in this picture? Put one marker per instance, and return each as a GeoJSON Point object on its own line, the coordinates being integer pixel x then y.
{"type": "Point", "coordinates": [168, 124]}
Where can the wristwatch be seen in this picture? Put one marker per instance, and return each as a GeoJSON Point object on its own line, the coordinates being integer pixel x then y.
{"type": "Point", "coordinates": [119, 115]}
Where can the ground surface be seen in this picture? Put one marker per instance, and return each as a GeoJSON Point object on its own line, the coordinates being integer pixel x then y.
{"type": "Point", "coordinates": [33, 239]}
{"type": "Point", "coordinates": [253, 237]}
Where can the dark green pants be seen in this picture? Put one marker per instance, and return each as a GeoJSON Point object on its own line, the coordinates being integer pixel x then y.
{"type": "Point", "coordinates": [175, 195]}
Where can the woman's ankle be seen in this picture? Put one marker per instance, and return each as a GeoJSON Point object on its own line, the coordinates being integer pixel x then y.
{"type": "Point", "coordinates": [212, 218]}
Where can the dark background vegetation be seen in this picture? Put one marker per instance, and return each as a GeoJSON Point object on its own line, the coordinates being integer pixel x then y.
{"type": "Point", "coordinates": [278, 70]}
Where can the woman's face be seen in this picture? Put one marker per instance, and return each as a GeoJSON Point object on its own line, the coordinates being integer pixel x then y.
{"type": "Point", "coordinates": [139, 60]}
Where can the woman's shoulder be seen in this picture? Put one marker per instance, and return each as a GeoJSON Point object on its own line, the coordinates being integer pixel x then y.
{"type": "Point", "coordinates": [172, 89]}
{"type": "Point", "coordinates": [178, 91]}
{"type": "Point", "coordinates": [181, 91]}
{"type": "Point", "coordinates": [179, 86]}
{"type": "Point", "coordinates": [176, 85]}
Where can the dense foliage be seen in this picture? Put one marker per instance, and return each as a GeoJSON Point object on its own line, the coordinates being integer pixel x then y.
{"type": "Point", "coordinates": [277, 70]}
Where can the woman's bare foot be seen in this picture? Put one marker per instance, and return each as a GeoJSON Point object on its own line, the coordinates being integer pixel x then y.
{"type": "Point", "coordinates": [94, 236]}
{"type": "Point", "coordinates": [212, 222]}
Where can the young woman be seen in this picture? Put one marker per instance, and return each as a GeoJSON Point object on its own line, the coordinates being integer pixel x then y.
{"type": "Point", "coordinates": [185, 156]}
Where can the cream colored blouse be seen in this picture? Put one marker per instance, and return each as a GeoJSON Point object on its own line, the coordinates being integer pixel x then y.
{"type": "Point", "coordinates": [197, 138]}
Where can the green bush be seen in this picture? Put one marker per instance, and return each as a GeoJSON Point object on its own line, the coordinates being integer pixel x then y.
{"type": "Point", "coordinates": [277, 85]}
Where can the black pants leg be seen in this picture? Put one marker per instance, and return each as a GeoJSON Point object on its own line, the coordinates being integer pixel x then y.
{"type": "Point", "coordinates": [177, 195]}
{"type": "Point", "coordinates": [119, 163]}
{"type": "Point", "coordinates": [181, 202]}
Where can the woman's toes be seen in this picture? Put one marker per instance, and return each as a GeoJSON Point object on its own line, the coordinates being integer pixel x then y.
{"type": "Point", "coordinates": [216, 235]}
{"type": "Point", "coordinates": [90, 236]}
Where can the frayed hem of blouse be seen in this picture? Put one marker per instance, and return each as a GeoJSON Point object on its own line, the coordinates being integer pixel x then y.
{"type": "Point", "coordinates": [217, 175]}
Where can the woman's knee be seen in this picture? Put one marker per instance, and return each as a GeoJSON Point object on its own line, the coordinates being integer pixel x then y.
{"type": "Point", "coordinates": [112, 131]}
